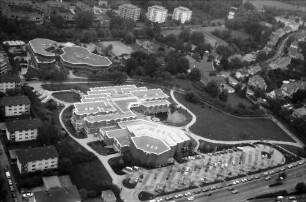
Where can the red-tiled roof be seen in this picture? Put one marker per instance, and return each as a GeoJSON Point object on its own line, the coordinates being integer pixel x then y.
{"type": "Point", "coordinates": [36, 154]}
{"type": "Point", "coordinates": [14, 100]}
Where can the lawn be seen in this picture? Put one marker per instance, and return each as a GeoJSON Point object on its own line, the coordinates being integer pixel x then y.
{"type": "Point", "coordinates": [99, 147]}
{"type": "Point", "coordinates": [89, 175]}
{"type": "Point", "coordinates": [216, 125]}
{"type": "Point", "coordinates": [233, 100]}
{"type": "Point", "coordinates": [259, 4]}
{"type": "Point", "coordinates": [240, 34]}
{"type": "Point", "coordinates": [67, 96]}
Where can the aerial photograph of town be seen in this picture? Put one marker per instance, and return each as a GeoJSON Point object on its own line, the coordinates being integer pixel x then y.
{"type": "Point", "coordinates": [152, 100]}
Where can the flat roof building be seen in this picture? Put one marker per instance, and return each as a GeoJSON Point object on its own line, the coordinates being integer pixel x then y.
{"type": "Point", "coordinates": [182, 14]}
{"type": "Point", "coordinates": [103, 106]}
{"type": "Point", "coordinates": [157, 14]}
{"type": "Point", "coordinates": [129, 11]}
{"type": "Point", "coordinates": [108, 196]}
{"type": "Point", "coordinates": [44, 53]}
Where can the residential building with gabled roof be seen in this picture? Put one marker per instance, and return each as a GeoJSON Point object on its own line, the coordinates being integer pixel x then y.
{"type": "Point", "coordinates": [280, 63]}
{"type": "Point", "coordinates": [15, 105]}
{"type": "Point", "coordinates": [299, 112]}
{"type": "Point", "coordinates": [22, 129]}
{"type": "Point", "coordinates": [287, 89]}
{"type": "Point", "coordinates": [9, 82]}
{"type": "Point", "coordinates": [257, 82]}
{"type": "Point", "coordinates": [108, 196]}
{"type": "Point", "coordinates": [254, 69]}
{"type": "Point", "coordinates": [37, 159]}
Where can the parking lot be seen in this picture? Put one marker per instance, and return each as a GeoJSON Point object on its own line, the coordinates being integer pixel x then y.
{"type": "Point", "coordinates": [208, 168]}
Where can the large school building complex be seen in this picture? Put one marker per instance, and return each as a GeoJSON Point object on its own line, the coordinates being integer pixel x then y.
{"type": "Point", "coordinates": [149, 143]}
{"type": "Point", "coordinates": [45, 53]}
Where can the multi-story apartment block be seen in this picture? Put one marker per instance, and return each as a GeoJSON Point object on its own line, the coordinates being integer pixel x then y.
{"type": "Point", "coordinates": [3, 62]}
{"type": "Point", "coordinates": [36, 159]}
{"type": "Point", "coordinates": [129, 11]}
{"type": "Point", "coordinates": [157, 14]}
{"type": "Point", "coordinates": [9, 82]}
{"type": "Point", "coordinates": [26, 13]}
{"type": "Point", "coordinates": [15, 105]}
{"type": "Point", "coordinates": [182, 14]}
{"type": "Point", "coordinates": [22, 129]}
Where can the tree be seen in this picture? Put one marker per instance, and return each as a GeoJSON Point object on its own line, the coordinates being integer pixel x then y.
{"type": "Point", "coordinates": [129, 38]}
{"type": "Point", "coordinates": [170, 40]}
{"type": "Point", "coordinates": [223, 95]}
{"type": "Point", "coordinates": [197, 37]}
{"type": "Point", "coordinates": [131, 65]}
{"type": "Point", "coordinates": [212, 89]}
{"type": "Point", "coordinates": [195, 74]}
{"type": "Point", "coordinates": [57, 20]}
{"type": "Point", "coordinates": [235, 63]}
{"type": "Point", "coordinates": [261, 56]}
{"type": "Point", "coordinates": [185, 35]}
{"type": "Point", "coordinates": [224, 63]}
{"type": "Point", "coordinates": [300, 188]}
{"type": "Point", "coordinates": [299, 96]}
{"type": "Point", "coordinates": [108, 49]}
{"type": "Point", "coordinates": [65, 165]}
{"type": "Point", "coordinates": [224, 51]}
{"type": "Point", "coordinates": [48, 135]}
{"type": "Point", "coordinates": [84, 19]}
{"type": "Point", "coordinates": [83, 193]}
{"type": "Point", "coordinates": [175, 63]}
{"type": "Point", "coordinates": [202, 47]}
{"type": "Point", "coordinates": [191, 96]}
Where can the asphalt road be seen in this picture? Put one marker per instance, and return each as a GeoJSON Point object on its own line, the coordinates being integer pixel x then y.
{"type": "Point", "coordinates": [5, 164]}
{"type": "Point", "coordinates": [253, 188]}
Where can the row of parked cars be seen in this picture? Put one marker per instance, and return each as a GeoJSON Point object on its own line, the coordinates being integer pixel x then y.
{"type": "Point", "coordinates": [10, 183]}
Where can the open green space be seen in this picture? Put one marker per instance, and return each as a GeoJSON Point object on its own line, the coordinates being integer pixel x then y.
{"type": "Point", "coordinates": [260, 4]}
{"type": "Point", "coordinates": [67, 96]}
{"type": "Point", "coordinates": [234, 100]}
{"type": "Point", "coordinates": [216, 125]}
{"type": "Point", "coordinates": [99, 147]}
{"type": "Point", "coordinates": [89, 175]}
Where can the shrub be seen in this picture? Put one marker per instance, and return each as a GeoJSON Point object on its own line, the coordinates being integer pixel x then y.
{"type": "Point", "coordinates": [83, 193]}
{"type": "Point", "coordinates": [91, 193]}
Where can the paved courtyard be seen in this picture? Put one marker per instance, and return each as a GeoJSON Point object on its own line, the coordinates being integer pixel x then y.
{"type": "Point", "coordinates": [207, 168]}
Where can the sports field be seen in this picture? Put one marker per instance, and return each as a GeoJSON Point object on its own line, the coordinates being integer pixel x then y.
{"type": "Point", "coordinates": [119, 48]}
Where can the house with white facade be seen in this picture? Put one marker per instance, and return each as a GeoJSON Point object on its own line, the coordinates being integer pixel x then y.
{"type": "Point", "coordinates": [22, 129]}
{"type": "Point", "coordinates": [36, 159]}
{"type": "Point", "coordinates": [15, 105]}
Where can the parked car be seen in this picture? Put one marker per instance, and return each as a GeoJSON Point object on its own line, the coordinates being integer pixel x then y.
{"type": "Point", "coordinates": [191, 198]}
{"type": "Point", "coordinates": [10, 182]}
{"type": "Point", "coordinates": [235, 191]}
{"type": "Point", "coordinates": [267, 178]}
{"type": "Point", "coordinates": [8, 175]}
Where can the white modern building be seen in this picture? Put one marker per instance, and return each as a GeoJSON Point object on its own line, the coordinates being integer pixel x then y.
{"type": "Point", "coordinates": [37, 159]}
{"type": "Point", "coordinates": [182, 14]}
{"type": "Point", "coordinates": [22, 129]}
{"type": "Point", "coordinates": [157, 14]}
{"type": "Point", "coordinates": [129, 11]}
{"type": "Point", "coordinates": [15, 105]}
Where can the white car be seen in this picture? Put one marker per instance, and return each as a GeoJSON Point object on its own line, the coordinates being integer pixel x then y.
{"type": "Point", "coordinates": [7, 174]}
{"type": "Point", "coordinates": [191, 198]}
{"type": "Point", "coordinates": [235, 191]}
{"type": "Point", "coordinates": [9, 181]}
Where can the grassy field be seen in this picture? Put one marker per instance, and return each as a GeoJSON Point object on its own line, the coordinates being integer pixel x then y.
{"type": "Point", "coordinates": [215, 125]}
{"type": "Point", "coordinates": [240, 34]}
{"type": "Point", "coordinates": [259, 4]}
{"type": "Point", "coordinates": [234, 100]}
{"type": "Point", "coordinates": [67, 96]}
